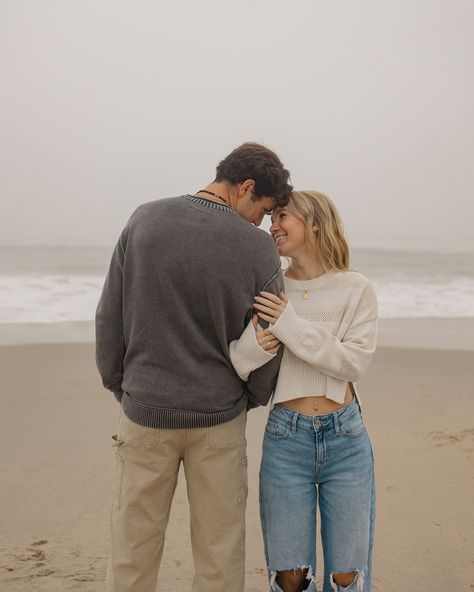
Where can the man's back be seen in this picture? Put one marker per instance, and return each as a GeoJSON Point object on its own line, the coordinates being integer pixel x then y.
{"type": "Point", "coordinates": [189, 268]}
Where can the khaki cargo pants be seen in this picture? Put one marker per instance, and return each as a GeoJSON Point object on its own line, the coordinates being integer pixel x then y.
{"type": "Point", "coordinates": [146, 472]}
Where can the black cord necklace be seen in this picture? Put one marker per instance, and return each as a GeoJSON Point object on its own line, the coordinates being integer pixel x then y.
{"type": "Point", "coordinates": [214, 195]}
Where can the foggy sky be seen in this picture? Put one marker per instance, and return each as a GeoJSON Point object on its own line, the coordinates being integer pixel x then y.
{"type": "Point", "coordinates": [107, 104]}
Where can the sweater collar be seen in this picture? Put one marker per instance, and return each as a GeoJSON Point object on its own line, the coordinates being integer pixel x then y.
{"type": "Point", "coordinates": [209, 203]}
{"type": "Point", "coordinates": [310, 284]}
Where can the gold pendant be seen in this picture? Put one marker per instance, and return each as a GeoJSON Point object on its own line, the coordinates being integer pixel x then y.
{"type": "Point", "coordinates": [306, 295]}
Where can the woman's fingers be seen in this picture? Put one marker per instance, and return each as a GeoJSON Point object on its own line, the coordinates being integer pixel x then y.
{"type": "Point", "coordinates": [254, 321]}
{"type": "Point", "coordinates": [266, 302]}
{"type": "Point", "coordinates": [270, 343]}
{"type": "Point", "coordinates": [266, 336]}
{"type": "Point", "coordinates": [266, 309]}
{"type": "Point", "coordinates": [271, 304]}
{"type": "Point", "coordinates": [266, 317]}
{"type": "Point", "coordinates": [273, 298]}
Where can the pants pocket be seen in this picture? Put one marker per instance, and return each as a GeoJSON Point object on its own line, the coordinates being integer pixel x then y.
{"type": "Point", "coordinates": [243, 480]}
{"type": "Point", "coordinates": [229, 434]}
{"type": "Point", "coordinates": [353, 426]}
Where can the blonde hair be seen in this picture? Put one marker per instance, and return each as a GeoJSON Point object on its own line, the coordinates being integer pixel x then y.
{"type": "Point", "coordinates": [323, 228]}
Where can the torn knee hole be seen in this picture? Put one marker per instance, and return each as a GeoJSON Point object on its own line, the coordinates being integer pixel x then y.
{"type": "Point", "coordinates": [296, 579]}
{"type": "Point", "coordinates": [345, 579]}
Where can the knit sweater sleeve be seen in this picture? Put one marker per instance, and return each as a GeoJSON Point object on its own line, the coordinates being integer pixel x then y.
{"type": "Point", "coordinates": [110, 343]}
{"type": "Point", "coordinates": [343, 358]}
{"type": "Point", "coordinates": [261, 382]}
{"type": "Point", "coordinates": [246, 354]}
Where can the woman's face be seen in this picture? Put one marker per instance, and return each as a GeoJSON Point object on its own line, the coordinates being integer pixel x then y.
{"type": "Point", "coordinates": [288, 233]}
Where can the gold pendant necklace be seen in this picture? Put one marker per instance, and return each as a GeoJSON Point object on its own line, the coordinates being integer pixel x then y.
{"type": "Point", "coordinates": [305, 292]}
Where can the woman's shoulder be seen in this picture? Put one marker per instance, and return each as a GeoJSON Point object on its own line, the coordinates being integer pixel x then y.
{"type": "Point", "coordinates": [354, 280]}
{"type": "Point", "coordinates": [334, 279]}
{"type": "Point", "coordinates": [352, 277]}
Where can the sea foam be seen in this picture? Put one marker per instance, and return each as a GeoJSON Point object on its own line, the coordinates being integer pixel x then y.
{"type": "Point", "coordinates": [60, 298]}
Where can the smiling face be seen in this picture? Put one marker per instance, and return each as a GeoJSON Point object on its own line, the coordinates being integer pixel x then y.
{"type": "Point", "coordinates": [288, 232]}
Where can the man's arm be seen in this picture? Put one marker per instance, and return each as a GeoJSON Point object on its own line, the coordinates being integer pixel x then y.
{"type": "Point", "coordinates": [110, 344]}
{"type": "Point", "coordinates": [247, 354]}
{"type": "Point", "coordinates": [261, 382]}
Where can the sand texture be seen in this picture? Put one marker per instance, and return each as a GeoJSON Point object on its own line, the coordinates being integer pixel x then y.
{"type": "Point", "coordinates": [56, 424]}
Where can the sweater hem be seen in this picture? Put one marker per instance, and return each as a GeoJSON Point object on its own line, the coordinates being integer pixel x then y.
{"type": "Point", "coordinates": [161, 418]}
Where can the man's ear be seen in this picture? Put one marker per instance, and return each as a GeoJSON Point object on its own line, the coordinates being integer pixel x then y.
{"type": "Point", "coordinates": [247, 185]}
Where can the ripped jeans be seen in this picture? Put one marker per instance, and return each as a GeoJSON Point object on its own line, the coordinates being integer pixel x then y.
{"type": "Point", "coordinates": [306, 460]}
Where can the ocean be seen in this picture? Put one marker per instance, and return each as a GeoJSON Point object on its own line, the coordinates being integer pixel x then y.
{"type": "Point", "coordinates": [63, 284]}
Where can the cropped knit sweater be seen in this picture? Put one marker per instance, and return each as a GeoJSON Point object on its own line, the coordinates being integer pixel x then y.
{"type": "Point", "coordinates": [329, 331]}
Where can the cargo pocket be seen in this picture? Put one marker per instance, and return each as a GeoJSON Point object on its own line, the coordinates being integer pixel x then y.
{"type": "Point", "coordinates": [243, 480]}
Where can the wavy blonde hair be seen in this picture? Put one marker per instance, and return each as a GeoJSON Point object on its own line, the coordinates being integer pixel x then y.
{"type": "Point", "coordinates": [324, 230]}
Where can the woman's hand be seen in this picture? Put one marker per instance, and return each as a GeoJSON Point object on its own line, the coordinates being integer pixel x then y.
{"type": "Point", "coordinates": [270, 307]}
{"type": "Point", "coordinates": [265, 339]}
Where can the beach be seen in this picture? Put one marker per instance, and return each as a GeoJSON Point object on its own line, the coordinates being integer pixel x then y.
{"type": "Point", "coordinates": [56, 426]}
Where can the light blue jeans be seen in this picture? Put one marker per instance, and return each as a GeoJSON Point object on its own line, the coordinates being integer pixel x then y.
{"type": "Point", "coordinates": [325, 458]}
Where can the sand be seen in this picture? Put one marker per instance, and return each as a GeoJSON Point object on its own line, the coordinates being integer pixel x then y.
{"type": "Point", "coordinates": [56, 424]}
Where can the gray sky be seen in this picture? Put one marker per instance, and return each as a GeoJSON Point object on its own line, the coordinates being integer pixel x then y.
{"type": "Point", "coordinates": [106, 104]}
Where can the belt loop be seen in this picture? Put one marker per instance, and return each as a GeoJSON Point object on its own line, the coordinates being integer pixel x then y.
{"type": "Point", "coordinates": [294, 421]}
{"type": "Point", "coordinates": [336, 423]}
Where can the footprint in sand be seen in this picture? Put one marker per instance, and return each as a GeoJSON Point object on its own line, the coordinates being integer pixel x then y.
{"type": "Point", "coordinates": [445, 439]}
{"type": "Point", "coordinates": [39, 543]}
{"type": "Point", "coordinates": [43, 573]}
{"type": "Point", "coordinates": [82, 577]}
{"type": "Point", "coordinates": [33, 554]}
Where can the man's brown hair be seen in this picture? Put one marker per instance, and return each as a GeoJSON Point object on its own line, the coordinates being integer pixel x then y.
{"type": "Point", "coordinates": [257, 162]}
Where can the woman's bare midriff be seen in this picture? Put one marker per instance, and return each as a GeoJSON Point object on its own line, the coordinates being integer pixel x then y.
{"type": "Point", "coordinates": [306, 404]}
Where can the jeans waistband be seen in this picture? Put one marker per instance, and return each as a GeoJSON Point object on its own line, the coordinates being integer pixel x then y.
{"type": "Point", "coordinates": [316, 422]}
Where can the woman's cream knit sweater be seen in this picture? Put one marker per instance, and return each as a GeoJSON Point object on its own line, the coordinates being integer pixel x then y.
{"type": "Point", "coordinates": [329, 330]}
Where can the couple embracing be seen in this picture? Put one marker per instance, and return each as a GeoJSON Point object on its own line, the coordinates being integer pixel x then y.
{"type": "Point", "coordinates": [196, 325]}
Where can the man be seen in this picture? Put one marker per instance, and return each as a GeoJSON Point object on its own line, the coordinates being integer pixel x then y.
{"type": "Point", "coordinates": [180, 288]}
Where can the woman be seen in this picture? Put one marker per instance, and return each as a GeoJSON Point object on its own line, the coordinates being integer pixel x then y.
{"type": "Point", "coordinates": [316, 448]}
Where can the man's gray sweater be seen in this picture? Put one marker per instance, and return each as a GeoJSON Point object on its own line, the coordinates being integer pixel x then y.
{"type": "Point", "coordinates": [179, 289]}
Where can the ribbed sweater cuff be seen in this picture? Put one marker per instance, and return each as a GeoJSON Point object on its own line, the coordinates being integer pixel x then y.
{"type": "Point", "coordinates": [290, 330]}
{"type": "Point", "coordinates": [246, 354]}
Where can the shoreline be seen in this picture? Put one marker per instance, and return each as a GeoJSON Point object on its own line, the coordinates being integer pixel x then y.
{"type": "Point", "coordinates": [432, 333]}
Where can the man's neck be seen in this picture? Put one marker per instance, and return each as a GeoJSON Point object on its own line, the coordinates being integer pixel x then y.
{"type": "Point", "coordinates": [220, 193]}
